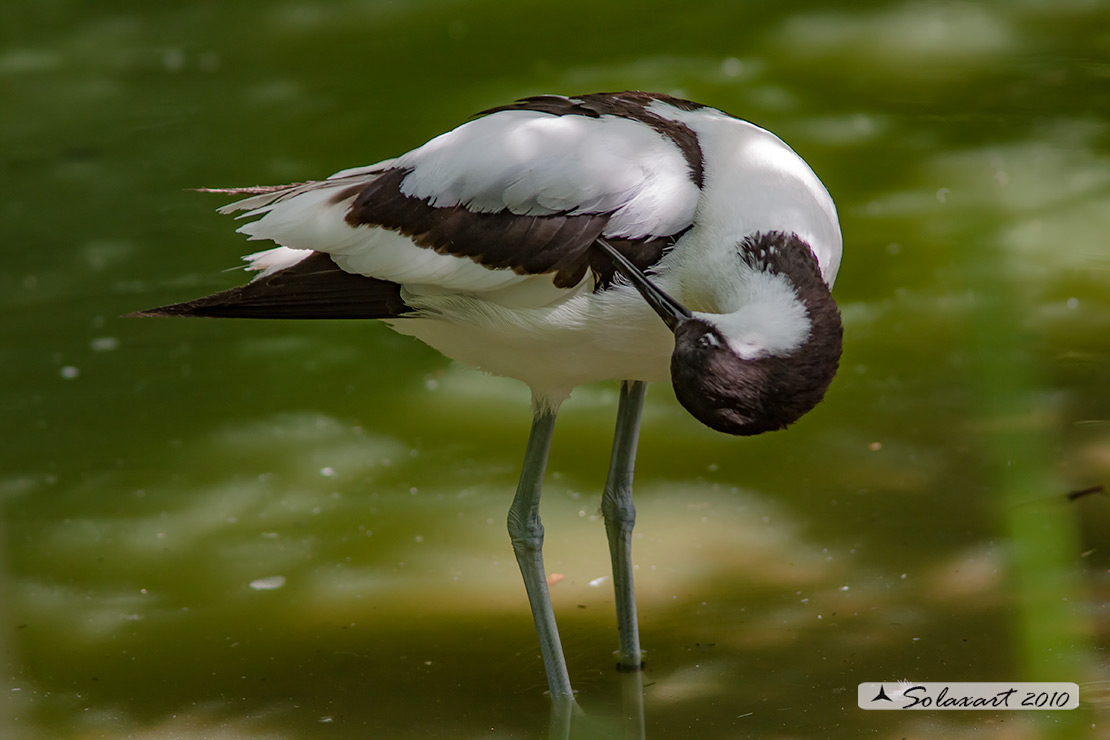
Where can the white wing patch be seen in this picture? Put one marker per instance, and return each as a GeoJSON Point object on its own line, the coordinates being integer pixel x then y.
{"type": "Point", "coordinates": [533, 163]}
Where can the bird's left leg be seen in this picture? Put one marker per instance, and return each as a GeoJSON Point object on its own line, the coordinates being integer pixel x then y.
{"type": "Point", "coordinates": [526, 533]}
{"type": "Point", "coordinates": [620, 517]}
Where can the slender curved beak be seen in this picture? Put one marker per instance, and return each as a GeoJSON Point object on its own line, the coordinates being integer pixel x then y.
{"type": "Point", "coordinates": [671, 311]}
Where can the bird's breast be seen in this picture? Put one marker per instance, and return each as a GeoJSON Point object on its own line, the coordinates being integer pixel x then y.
{"type": "Point", "coordinates": [584, 338]}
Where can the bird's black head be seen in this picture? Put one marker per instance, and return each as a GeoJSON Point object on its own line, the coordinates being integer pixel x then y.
{"type": "Point", "coordinates": [750, 396]}
{"type": "Point", "coordinates": [759, 388]}
{"type": "Point", "coordinates": [754, 391]}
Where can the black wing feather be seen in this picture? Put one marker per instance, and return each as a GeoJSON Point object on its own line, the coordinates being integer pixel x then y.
{"type": "Point", "coordinates": [529, 245]}
{"type": "Point", "coordinates": [314, 288]}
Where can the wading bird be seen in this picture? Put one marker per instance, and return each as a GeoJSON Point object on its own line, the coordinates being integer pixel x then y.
{"type": "Point", "coordinates": [544, 240]}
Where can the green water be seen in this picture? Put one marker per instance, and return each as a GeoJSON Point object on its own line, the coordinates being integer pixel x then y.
{"type": "Point", "coordinates": [296, 530]}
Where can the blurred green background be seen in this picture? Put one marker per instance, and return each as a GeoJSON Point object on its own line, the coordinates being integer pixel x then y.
{"type": "Point", "coordinates": [296, 529]}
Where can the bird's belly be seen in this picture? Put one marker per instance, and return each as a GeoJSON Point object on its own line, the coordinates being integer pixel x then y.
{"type": "Point", "coordinates": [588, 338]}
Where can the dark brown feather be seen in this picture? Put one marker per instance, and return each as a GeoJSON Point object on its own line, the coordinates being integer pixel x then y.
{"type": "Point", "coordinates": [314, 288]}
{"type": "Point", "coordinates": [528, 245]}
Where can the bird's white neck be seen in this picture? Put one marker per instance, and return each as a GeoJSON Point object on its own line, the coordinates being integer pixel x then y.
{"type": "Point", "coordinates": [762, 316]}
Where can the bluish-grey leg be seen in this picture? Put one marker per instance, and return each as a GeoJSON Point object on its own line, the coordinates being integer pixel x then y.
{"type": "Point", "coordinates": [526, 533]}
{"type": "Point", "coordinates": [620, 517]}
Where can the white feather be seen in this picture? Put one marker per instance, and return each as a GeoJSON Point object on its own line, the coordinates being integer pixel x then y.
{"type": "Point", "coordinates": [358, 173]}
{"type": "Point", "coordinates": [581, 338]}
{"type": "Point", "coordinates": [754, 182]}
{"type": "Point", "coordinates": [770, 320]}
{"type": "Point", "coordinates": [539, 164]}
{"type": "Point", "coordinates": [269, 261]}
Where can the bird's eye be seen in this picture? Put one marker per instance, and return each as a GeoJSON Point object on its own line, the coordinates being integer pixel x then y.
{"type": "Point", "coordinates": [708, 341]}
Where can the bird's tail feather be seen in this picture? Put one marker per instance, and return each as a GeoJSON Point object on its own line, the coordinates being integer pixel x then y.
{"type": "Point", "coordinates": [314, 288]}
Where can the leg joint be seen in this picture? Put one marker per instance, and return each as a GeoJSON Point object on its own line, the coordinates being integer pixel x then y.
{"type": "Point", "coordinates": [525, 533]}
{"type": "Point", "coordinates": [618, 508]}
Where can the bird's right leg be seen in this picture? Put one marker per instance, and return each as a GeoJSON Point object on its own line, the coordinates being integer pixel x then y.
{"type": "Point", "coordinates": [526, 533]}
{"type": "Point", "coordinates": [620, 518]}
